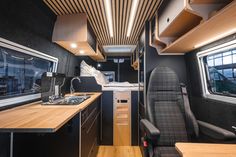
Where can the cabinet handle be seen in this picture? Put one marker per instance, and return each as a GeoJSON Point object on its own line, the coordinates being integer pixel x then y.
{"type": "Point", "coordinates": [168, 20]}
{"type": "Point", "coordinates": [92, 123]}
{"type": "Point", "coordinates": [234, 127]}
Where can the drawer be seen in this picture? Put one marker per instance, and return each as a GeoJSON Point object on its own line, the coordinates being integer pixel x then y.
{"type": "Point", "coordinates": [89, 133]}
{"type": "Point", "coordinates": [88, 118]}
{"type": "Point", "coordinates": [93, 152]}
{"type": "Point", "coordinates": [87, 111]}
{"type": "Point", "coordinates": [171, 11]}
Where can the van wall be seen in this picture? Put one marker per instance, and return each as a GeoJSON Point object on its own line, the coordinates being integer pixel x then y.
{"type": "Point", "coordinates": [30, 23]}
{"type": "Point", "coordinates": [127, 73]}
{"type": "Point", "coordinates": [176, 63]}
{"type": "Point", "coordinates": [219, 113]}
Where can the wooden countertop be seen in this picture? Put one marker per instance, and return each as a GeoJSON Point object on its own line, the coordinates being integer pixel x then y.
{"type": "Point", "coordinates": [206, 150]}
{"type": "Point", "coordinates": [36, 117]}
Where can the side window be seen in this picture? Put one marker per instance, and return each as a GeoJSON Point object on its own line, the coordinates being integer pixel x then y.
{"type": "Point", "coordinates": [221, 68]}
{"type": "Point", "coordinates": [21, 69]}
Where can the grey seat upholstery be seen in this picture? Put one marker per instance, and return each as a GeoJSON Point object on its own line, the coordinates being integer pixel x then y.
{"type": "Point", "coordinates": [167, 112]}
{"type": "Point", "coordinates": [166, 152]}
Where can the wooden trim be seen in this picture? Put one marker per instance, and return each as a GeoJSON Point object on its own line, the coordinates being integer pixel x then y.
{"type": "Point", "coordinates": [122, 119]}
{"type": "Point", "coordinates": [205, 149]}
{"type": "Point", "coordinates": [208, 1]}
{"type": "Point", "coordinates": [119, 151]}
{"type": "Point", "coordinates": [36, 117]}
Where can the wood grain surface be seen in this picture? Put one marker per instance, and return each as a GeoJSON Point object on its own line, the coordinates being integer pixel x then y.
{"type": "Point", "coordinates": [204, 149]}
{"type": "Point", "coordinates": [119, 151]}
{"type": "Point", "coordinates": [36, 117]}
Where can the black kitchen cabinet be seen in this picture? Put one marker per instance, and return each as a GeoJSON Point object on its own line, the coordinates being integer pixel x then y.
{"type": "Point", "coordinates": [62, 143]}
{"type": "Point", "coordinates": [134, 118]}
{"type": "Point", "coordinates": [107, 118]}
{"type": "Point", "coordinates": [90, 120]}
{"type": "Point", "coordinates": [91, 37]}
{"type": "Point", "coordinates": [77, 138]}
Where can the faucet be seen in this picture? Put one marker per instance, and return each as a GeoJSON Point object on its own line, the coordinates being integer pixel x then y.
{"type": "Point", "coordinates": [72, 90]}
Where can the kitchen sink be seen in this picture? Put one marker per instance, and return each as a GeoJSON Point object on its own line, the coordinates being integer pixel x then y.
{"type": "Point", "coordinates": [69, 100]}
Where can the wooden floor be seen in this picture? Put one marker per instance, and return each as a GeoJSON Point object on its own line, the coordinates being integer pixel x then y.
{"type": "Point", "coordinates": [119, 151]}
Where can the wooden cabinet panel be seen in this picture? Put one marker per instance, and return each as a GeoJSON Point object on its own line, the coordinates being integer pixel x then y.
{"type": "Point", "coordinates": [122, 118]}
{"type": "Point", "coordinates": [107, 117]}
{"type": "Point", "coordinates": [177, 19]}
{"type": "Point", "coordinates": [75, 29]}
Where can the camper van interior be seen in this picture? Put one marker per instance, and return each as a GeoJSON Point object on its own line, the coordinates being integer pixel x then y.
{"type": "Point", "coordinates": [118, 78]}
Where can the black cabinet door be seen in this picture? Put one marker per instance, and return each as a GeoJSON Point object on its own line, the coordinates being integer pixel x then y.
{"type": "Point", "coordinates": [134, 117]}
{"type": "Point", "coordinates": [107, 118]}
{"type": "Point", "coordinates": [90, 130]}
{"type": "Point", "coordinates": [91, 38]}
{"type": "Point", "coordinates": [64, 142]}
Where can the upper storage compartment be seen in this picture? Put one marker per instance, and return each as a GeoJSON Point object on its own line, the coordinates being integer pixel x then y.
{"type": "Point", "coordinates": [74, 33]}
{"type": "Point", "coordinates": [184, 25]}
{"type": "Point", "coordinates": [177, 18]}
{"type": "Point", "coordinates": [99, 56]}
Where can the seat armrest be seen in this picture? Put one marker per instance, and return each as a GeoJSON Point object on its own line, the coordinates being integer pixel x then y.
{"type": "Point", "coordinates": [151, 131]}
{"type": "Point", "coordinates": [215, 132]}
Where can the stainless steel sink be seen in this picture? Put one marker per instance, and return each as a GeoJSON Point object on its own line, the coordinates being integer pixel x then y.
{"type": "Point", "coordinates": [69, 100]}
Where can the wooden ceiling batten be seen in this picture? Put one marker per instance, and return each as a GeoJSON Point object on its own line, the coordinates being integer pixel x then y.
{"type": "Point", "coordinates": [127, 21]}
{"type": "Point", "coordinates": [154, 8]}
{"type": "Point", "coordinates": [95, 11]}
{"type": "Point", "coordinates": [101, 19]}
{"type": "Point", "coordinates": [105, 25]}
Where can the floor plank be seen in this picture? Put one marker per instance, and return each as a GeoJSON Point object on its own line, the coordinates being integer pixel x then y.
{"type": "Point", "coordinates": [119, 151]}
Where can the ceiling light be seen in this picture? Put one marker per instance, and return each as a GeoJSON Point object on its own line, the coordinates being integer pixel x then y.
{"type": "Point", "coordinates": [119, 48]}
{"type": "Point", "coordinates": [133, 11]}
{"type": "Point", "coordinates": [216, 38]}
{"type": "Point", "coordinates": [81, 51]}
{"type": "Point", "coordinates": [73, 45]}
{"type": "Point", "coordinates": [109, 16]}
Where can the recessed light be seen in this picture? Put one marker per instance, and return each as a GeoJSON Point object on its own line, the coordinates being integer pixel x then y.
{"type": "Point", "coordinates": [73, 45]}
{"type": "Point", "coordinates": [133, 11]}
{"type": "Point", "coordinates": [81, 51]}
{"type": "Point", "coordinates": [109, 16]}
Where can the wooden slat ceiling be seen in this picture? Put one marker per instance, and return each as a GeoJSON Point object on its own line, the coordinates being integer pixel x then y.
{"type": "Point", "coordinates": [95, 11]}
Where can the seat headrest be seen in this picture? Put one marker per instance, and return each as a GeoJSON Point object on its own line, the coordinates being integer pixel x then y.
{"type": "Point", "coordinates": [163, 79]}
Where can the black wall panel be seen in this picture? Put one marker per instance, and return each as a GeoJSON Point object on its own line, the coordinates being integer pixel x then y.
{"type": "Point", "coordinates": [176, 63]}
{"type": "Point", "coordinates": [219, 113]}
{"type": "Point", "coordinates": [30, 23]}
{"type": "Point", "coordinates": [127, 73]}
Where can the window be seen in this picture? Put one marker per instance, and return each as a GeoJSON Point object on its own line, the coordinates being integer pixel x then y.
{"type": "Point", "coordinates": [21, 69]}
{"type": "Point", "coordinates": [218, 71]}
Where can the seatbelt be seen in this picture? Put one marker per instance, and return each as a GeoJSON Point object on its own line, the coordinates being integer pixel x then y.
{"type": "Point", "coordinates": [188, 113]}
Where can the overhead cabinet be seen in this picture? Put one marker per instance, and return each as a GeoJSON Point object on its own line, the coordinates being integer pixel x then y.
{"type": "Point", "coordinates": [177, 18]}
{"type": "Point", "coordinates": [99, 56]}
{"type": "Point", "coordinates": [74, 33]}
{"type": "Point", "coordinates": [181, 26]}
